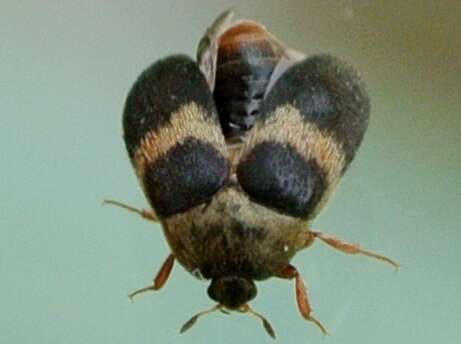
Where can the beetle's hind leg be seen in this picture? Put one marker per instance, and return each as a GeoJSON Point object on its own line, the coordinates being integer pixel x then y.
{"type": "Point", "coordinates": [159, 280]}
{"type": "Point", "coordinates": [290, 272]}
{"type": "Point", "coordinates": [144, 213]}
{"type": "Point", "coordinates": [347, 247]}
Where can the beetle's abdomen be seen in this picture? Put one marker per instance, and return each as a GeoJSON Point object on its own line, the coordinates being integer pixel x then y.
{"type": "Point", "coordinates": [246, 59]}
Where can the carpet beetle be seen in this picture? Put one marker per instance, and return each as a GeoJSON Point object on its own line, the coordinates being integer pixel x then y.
{"type": "Point", "coordinates": [237, 152]}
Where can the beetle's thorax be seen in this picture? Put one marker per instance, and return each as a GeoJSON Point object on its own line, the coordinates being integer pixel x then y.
{"type": "Point", "coordinates": [233, 236]}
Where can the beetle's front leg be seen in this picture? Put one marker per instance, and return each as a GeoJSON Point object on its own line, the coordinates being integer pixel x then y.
{"type": "Point", "coordinates": [160, 279]}
{"type": "Point", "coordinates": [290, 272]}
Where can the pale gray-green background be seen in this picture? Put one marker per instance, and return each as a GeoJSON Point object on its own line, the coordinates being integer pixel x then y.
{"type": "Point", "coordinates": [67, 264]}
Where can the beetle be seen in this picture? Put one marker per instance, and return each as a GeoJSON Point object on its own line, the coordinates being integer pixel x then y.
{"type": "Point", "coordinates": [237, 152]}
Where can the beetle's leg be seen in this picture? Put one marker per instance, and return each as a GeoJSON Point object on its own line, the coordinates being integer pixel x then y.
{"type": "Point", "coordinates": [145, 214]}
{"type": "Point", "coordinates": [160, 279]}
{"type": "Point", "coordinates": [348, 248]}
{"type": "Point", "coordinates": [290, 272]}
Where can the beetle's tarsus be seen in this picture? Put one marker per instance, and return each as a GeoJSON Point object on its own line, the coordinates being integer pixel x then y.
{"type": "Point", "coordinates": [144, 213]}
{"type": "Point", "coordinates": [351, 248]}
{"type": "Point", "coordinates": [140, 291]}
{"type": "Point", "coordinates": [159, 280]}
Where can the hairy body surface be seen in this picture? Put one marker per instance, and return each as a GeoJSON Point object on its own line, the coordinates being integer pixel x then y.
{"type": "Point", "coordinates": [238, 152]}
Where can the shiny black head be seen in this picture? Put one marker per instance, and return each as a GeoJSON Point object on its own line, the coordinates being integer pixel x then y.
{"type": "Point", "coordinates": [232, 291]}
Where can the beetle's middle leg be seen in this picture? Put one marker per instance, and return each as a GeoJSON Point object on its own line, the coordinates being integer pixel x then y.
{"type": "Point", "coordinates": [344, 246]}
{"type": "Point", "coordinates": [144, 213]}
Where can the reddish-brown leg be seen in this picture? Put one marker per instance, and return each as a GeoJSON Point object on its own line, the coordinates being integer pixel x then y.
{"type": "Point", "coordinates": [350, 248]}
{"type": "Point", "coordinates": [160, 279]}
{"type": "Point", "coordinates": [290, 272]}
{"type": "Point", "coordinates": [145, 214]}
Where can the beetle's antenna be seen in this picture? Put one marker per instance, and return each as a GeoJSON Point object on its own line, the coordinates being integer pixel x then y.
{"type": "Point", "coordinates": [243, 309]}
{"type": "Point", "coordinates": [267, 326]}
{"type": "Point", "coordinates": [189, 323]}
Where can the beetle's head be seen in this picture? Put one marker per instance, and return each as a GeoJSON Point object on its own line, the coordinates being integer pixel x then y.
{"type": "Point", "coordinates": [232, 291]}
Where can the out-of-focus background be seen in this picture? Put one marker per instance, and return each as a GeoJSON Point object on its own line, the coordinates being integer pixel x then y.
{"type": "Point", "coordinates": [67, 264]}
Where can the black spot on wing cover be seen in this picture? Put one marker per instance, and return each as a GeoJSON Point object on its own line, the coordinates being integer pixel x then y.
{"type": "Point", "coordinates": [188, 175]}
{"type": "Point", "coordinates": [275, 175]}
{"type": "Point", "coordinates": [161, 90]}
{"type": "Point", "coordinates": [328, 93]}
